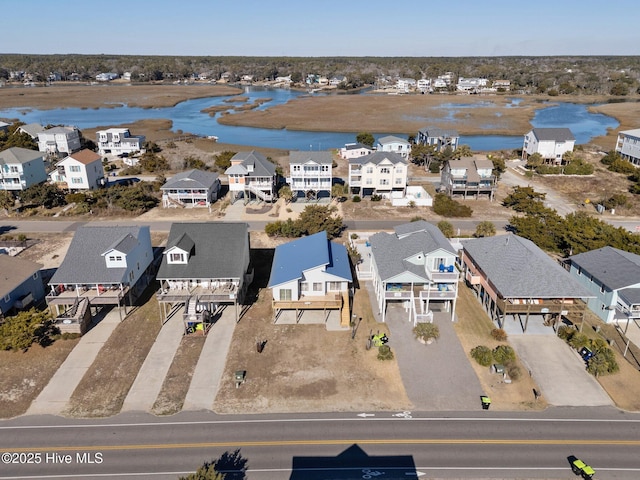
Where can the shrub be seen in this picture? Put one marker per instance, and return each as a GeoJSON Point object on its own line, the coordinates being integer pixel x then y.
{"type": "Point", "coordinates": [622, 166]}
{"type": "Point", "coordinates": [447, 207]}
{"type": "Point", "coordinates": [426, 331]}
{"type": "Point", "coordinates": [499, 334]}
{"type": "Point", "coordinates": [514, 372]}
{"type": "Point", "coordinates": [385, 353]}
{"type": "Point", "coordinates": [482, 355]}
{"type": "Point", "coordinates": [504, 354]}
{"type": "Point", "coordinates": [354, 236]}
{"type": "Point", "coordinates": [376, 198]}
{"type": "Point", "coordinates": [446, 228]}
{"type": "Point", "coordinates": [578, 340]}
{"type": "Point", "coordinates": [565, 332]}
{"type": "Point", "coordinates": [24, 329]}
{"type": "Point", "coordinates": [603, 362]}
{"type": "Point", "coordinates": [356, 199]}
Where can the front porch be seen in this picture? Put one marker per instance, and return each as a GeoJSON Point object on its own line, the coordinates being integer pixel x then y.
{"type": "Point", "coordinates": [101, 294]}
{"type": "Point", "coordinates": [417, 297]}
{"type": "Point", "coordinates": [314, 310]}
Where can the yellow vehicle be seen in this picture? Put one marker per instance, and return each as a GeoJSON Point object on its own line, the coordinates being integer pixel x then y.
{"type": "Point", "coordinates": [582, 469]}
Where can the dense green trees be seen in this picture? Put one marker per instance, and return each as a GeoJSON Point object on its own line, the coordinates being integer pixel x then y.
{"type": "Point", "coordinates": [45, 194]}
{"type": "Point", "coordinates": [576, 233]}
{"type": "Point", "coordinates": [365, 138]}
{"type": "Point", "coordinates": [313, 219]}
{"type": "Point", "coordinates": [223, 160]}
{"type": "Point", "coordinates": [561, 75]}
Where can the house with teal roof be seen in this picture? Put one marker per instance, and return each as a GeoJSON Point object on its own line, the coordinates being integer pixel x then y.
{"type": "Point", "coordinates": [311, 273]}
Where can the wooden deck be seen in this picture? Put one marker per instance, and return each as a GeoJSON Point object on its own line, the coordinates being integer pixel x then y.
{"type": "Point", "coordinates": [326, 302]}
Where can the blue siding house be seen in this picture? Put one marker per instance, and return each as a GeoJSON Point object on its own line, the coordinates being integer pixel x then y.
{"type": "Point", "coordinates": [20, 284]}
{"type": "Point", "coordinates": [613, 277]}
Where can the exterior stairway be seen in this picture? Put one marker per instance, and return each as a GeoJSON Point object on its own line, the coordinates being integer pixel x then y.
{"type": "Point", "coordinates": [264, 196]}
{"type": "Point", "coordinates": [345, 312]}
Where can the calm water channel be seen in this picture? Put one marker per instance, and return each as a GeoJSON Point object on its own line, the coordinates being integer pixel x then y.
{"type": "Point", "coordinates": [187, 116]}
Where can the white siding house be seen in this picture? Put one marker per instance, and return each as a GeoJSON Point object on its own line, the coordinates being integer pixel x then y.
{"type": "Point", "coordinates": [414, 265]}
{"type": "Point", "coordinates": [355, 150]}
{"type": "Point", "coordinates": [20, 168]}
{"type": "Point", "coordinates": [394, 144]}
{"type": "Point", "coordinates": [79, 171]}
{"type": "Point", "coordinates": [551, 143]}
{"type": "Point", "coordinates": [310, 173]}
{"type": "Point", "coordinates": [118, 141]}
{"type": "Point", "coordinates": [438, 138]}
{"type": "Point", "coordinates": [56, 141]}
{"type": "Point", "coordinates": [628, 145]}
{"type": "Point", "coordinates": [380, 173]}
{"type": "Point", "coordinates": [311, 273]}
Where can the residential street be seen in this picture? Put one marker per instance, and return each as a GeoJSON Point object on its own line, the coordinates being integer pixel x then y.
{"type": "Point", "coordinates": [398, 445]}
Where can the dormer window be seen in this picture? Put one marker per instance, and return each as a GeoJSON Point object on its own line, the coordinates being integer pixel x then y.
{"type": "Point", "coordinates": [176, 258]}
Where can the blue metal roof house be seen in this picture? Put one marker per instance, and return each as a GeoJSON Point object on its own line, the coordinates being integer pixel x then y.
{"type": "Point", "coordinates": [311, 273]}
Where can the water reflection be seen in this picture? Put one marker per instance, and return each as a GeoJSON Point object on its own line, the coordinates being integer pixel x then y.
{"type": "Point", "coordinates": [188, 116]}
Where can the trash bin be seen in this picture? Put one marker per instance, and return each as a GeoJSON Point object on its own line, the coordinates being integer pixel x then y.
{"type": "Point", "coordinates": [486, 402]}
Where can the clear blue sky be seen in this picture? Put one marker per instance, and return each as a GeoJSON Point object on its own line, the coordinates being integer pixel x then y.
{"type": "Point", "coordinates": [322, 28]}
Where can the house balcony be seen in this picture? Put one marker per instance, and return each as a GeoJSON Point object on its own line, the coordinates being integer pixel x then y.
{"type": "Point", "coordinates": [311, 174]}
{"type": "Point", "coordinates": [540, 306]}
{"type": "Point", "coordinates": [260, 185]}
{"type": "Point", "coordinates": [355, 181]}
{"type": "Point", "coordinates": [440, 291]}
{"type": "Point", "coordinates": [330, 301]}
{"type": "Point", "coordinates": [307, 185]}
{"type": "Point", "coordinates": [444, 277]}
{"type": "Point", "coordinates": [472, 278]}
{"type": "Point", "coordinates": [632, 311]}
{"type": "Point", "coordinates": [101, 294]}
{"type": "Point", "coordinates": [180, 291]}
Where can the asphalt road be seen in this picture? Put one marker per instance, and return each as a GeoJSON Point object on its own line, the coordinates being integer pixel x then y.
{"type": "Point", "coordinates": [393, 445]}
{"type": "Point", "coordinates": [13, 226]}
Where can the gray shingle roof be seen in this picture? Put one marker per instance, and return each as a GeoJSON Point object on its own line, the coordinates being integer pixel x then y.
{"type": "Point", "coordinates": [438, 132]}
{"type": "Point", "coordinates": [390, 251]}
{"type": "Point", "coordinates": [261, 166]}
{"type": "Point", "coordinates": [630, 295]}
{"type": "Point", "coordinates": [391, 139]}
{"type": "Point", "coordinates": [378, 157]}
{"type": "Point", "coordinates": [191, 179]}
{"type": "Point", "coordinates": [218, 252]}
{"type": "Point", "coordinates": [14, 271]}
{"type": "Point", "coordinates": [84, 263]}
{"type": "Point", "coordinates": [357, 146]}
{"type": "Point", "coordinates": [321, 158]}
{"type": "Point", "coordinates": [519, 269]}
{"type": "Point", "coordinates": [19, 155]}
{"type": "Point", "coordinates": [555, 134]}
{"type": "Point", "coordinates": [31, 129]}
{"type": "Point", "coordinates": [612, 267]}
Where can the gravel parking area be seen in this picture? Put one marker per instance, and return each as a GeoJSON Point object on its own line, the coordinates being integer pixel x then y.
{"type": "Point", "coordinates": [559, 371]}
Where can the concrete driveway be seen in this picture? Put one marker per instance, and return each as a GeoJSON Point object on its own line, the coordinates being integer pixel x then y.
{"type": "Point", "coordinates": [559, 371]}
{"type": "Point", "coordinates": [436, 377]}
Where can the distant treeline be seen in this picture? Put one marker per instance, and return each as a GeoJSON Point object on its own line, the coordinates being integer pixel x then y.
{"type": "Point", "coordinates": [555, 75]}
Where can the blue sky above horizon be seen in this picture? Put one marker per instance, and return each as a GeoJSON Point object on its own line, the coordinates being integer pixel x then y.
{"type": "Point", "coordinates": [325, 28]}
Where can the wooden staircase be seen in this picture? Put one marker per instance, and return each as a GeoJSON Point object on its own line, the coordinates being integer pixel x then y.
{"type": "Point", "coordinates": [345, 311]}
